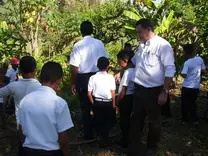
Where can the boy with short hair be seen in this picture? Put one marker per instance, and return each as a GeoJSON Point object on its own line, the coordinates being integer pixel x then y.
{"type": "Point", "coordinates": [18, 89]}
{"type": "Point", "coordinates": [125, 97]}
{"type": "Point", "coordinates": [191, 73]}
{"type": "Point", "coordinates": [13, 71]}
{"type": "Point", "coordinates": [44, 117]}
{"type": "Point", "coordinates": [101, 93]}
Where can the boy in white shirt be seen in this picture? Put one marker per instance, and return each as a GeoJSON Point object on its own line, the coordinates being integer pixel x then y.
{"type": "Point", "coordinates": [125, 97]}
{"type": "Point", "coordinates": [191, 73]}
{"type": "Point", "coordinates": [44, 117]}
{"type": "Point", "coordinates": [101, 93]}
{"type": "Point", "coordinates": [18, 89]}
{"type": "Point", "coordinates": [13, 71]}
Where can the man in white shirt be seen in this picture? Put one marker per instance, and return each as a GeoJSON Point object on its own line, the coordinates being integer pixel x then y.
{"type": "Point", "coordinates": [44, 117]}
{"type": "Point", "coordinates": [191, 73]}
{"type": "Point", "coordinates": [83, 61]}
{"type": "Point", "coordinates": [154, 71]}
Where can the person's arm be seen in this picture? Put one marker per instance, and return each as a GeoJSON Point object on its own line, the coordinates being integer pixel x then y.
{"type": "Point", "coordinates": [184, 71]}
{"type": "Point", "coordinates": [63, 142]}
{"type": "Point", "coordinates": [90, 97]}
{"type": "Point", "coordinates": [6, 91]}
{"type": "Point", "coordinates": [122, 93]}
{"type": "Point", "coordinates": [167, 59]}
{"type": "Point", "coordinates": [75, 60]}
{"type": "Point", "coordinates": [113, 93]}
{"type": "Point", "coordinates": [21, 135]}
{"type": "Point", "coordinates": [203, 67]}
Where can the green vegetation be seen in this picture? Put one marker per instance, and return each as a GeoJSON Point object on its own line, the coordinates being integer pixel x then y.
{"type": "Point", "coordinates": [47, 29]}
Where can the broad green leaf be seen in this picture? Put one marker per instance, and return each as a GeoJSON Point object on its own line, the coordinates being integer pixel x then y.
{"type": "Point", "coordinates": [132, 15]}
{"type": "Point", "coordinates": [129, 27]}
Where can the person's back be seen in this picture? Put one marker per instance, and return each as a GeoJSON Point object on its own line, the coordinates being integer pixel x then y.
{"type": "Point", "coordinates": [193, 78]}
{"type": "Point", "coordinates": [28, 84]}
{"type": "Point", "coordinates": [88, 50]}
{"type": "Point", "coordinates": [41, 118]}
{"type": "Point", "coordinates": [44, 117]}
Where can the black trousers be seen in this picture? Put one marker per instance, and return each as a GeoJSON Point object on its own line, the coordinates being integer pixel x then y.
{"type": "Point", "coordinates": [85, 104]}
{"type": "Point", "coordinates": [188, 104]}
{"type": "Point", "coordinates": [125, 107]}
{"type": "Point", "coordinates": [104, 118]}
{"type": "Point", "coordinates": [34, 152]}
{"type": "Point", "coordinates": [145, 104]}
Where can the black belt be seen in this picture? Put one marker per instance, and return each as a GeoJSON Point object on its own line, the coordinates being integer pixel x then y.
{"type": "Point", "coordinates": [148, 88]}
{"type": "Point", "coordinates": [102, 100]}
{"type": "Point", "coordinates": [42, 151]}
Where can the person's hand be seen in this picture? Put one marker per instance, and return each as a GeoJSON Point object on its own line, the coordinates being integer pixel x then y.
{"type": "Point", "coordinates": [114, 106]}
{"type": "Point", "coordinates": [73, 89]}
{"type": "Point", "coordinates": [162, 98]}
{"type": "Point", "coordinates": [117, 76]}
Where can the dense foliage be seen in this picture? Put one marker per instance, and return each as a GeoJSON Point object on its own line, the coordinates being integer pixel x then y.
{"type": "Point", "coordinates": [47, 29]}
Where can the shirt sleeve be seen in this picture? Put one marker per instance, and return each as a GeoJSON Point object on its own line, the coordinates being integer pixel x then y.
{"type": "Point", "coordinates": [64, 121]}
{"type": "Point", "coordinates": [167, 59]}
{"type": "Point", "coordinates": [125, 78]}
{"type": "Point", "coordinates": [6, 91]}
{"type": "Point", "coordinates": [203, 65]}
{"type": "Point", "coordinates": [104, 52]}
{"type": "Point", "coordinates": [8, 73]}
{"type": "Point", "coordinates": [185, 68]}
{"type": "Point", "coordinates": [90, 84]}
{"type": "Point", "coordinates": [113, 83]}
{"type": "Point", "coordinates": [75, 58]}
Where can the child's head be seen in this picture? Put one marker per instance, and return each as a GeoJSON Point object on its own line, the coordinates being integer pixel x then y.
{"type": "Point", "coordinates": [14, 63]}
{"type": "Point", "coordinates": [124, 58]}
{"type": "Point", "coordinates": [28, 66]}
{"type": "Point", "coordinates": [127, 47]}
{"type": "Point", "coordinates": [103, 64]}
{"type": "Point", "coordinates": [189, 50]}
{"type": "Point", "coordinates": [51, 74]}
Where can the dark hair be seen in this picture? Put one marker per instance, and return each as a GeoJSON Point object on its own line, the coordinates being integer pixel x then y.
{"type": "Point", "coordinates": [86, 28]}
{"type": "Point", "coordinates": [51, 72]}
{"type": "Point", "coordinates": [145, 24]}
{"type": "Point", "coordinates": [103, 63]}
{"type": "Point", "coordinates": [189, 49]}
{"type": "Point", "coordinates": [27, 64]}
{"type": "Point", "coordinates": [127, 45]}
{"type": "Point", "coordinates": [125, 55]}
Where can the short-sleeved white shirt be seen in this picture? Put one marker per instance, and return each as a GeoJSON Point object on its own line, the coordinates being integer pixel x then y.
{"type": "Point", "coordinates": [12, 74]}
{"type": "Point", "coordinates": [154, 61]}
{"type": "Point", "coordinates": [42, 115]}
{"type": "Point", "coordinates": [101, 85]}
{"type": "Point", "coordinates": [18, 89]}
{"type": "Point", "coordinates": [127, 81]}
{"type": "Point", "coordinates": [192, 68]}
{"type": "Point", "coordinates": [86, 53]}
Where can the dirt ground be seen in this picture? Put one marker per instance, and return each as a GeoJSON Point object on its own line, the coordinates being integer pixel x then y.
{"type": "Point", "coordinates": [177, 139]}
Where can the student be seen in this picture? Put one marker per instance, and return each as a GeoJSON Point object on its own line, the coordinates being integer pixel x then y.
{"type": "Point", "coordinates": [125, 97]}
{"type": "Point", "coordinates": [191, 73]}
{"type": "Point", "coordinates": [18, 89]}
{"type": "Point", "coordinates": [13, 71]}
{"type": "Point", "coordinates": [44, 117]}
{"type": "Point", "coordinates": [101, 93]}
{"type": "Point", "coordinates": [128, 49]}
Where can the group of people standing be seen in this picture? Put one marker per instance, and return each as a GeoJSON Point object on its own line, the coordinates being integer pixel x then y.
{"type": "Point", "coordinates": [43, 117]}
{"type": "Point", "coordinates": [145, 81]}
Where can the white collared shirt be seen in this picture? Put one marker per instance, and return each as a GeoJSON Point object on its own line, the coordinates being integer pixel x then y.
{"type": "Point", "coordinates": [42, 115]}
{"type": "Point", "coordinates": [154, 61]}
{"type": "Point", "coordinates": [12, 74]}
{"type": "Point", "coordinates": [192, 69]}
{"type": "Point", "coordinates": [101, 84]}
{"type": "Point", "coordinates": [18, 89]}
{"type": "Point", "coordinates": [127, 81]}
{"type": "Point", "coordinates": [86, 53]}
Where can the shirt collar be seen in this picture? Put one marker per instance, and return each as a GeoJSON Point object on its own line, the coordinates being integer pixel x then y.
{"type": "Point", "coordinates": [149, 42]}
{"type": "Point", "coordinates": [48, 89]}
{"type": "Point", "coordinates": [102, 72]}
{"type": "Point", "coordinates": [87, 37]}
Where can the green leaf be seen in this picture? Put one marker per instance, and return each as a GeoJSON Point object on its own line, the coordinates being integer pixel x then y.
{"type": "Point", "coordinates": [132, 15]}
{"type": "Point", "coordinates": [129, 27]}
